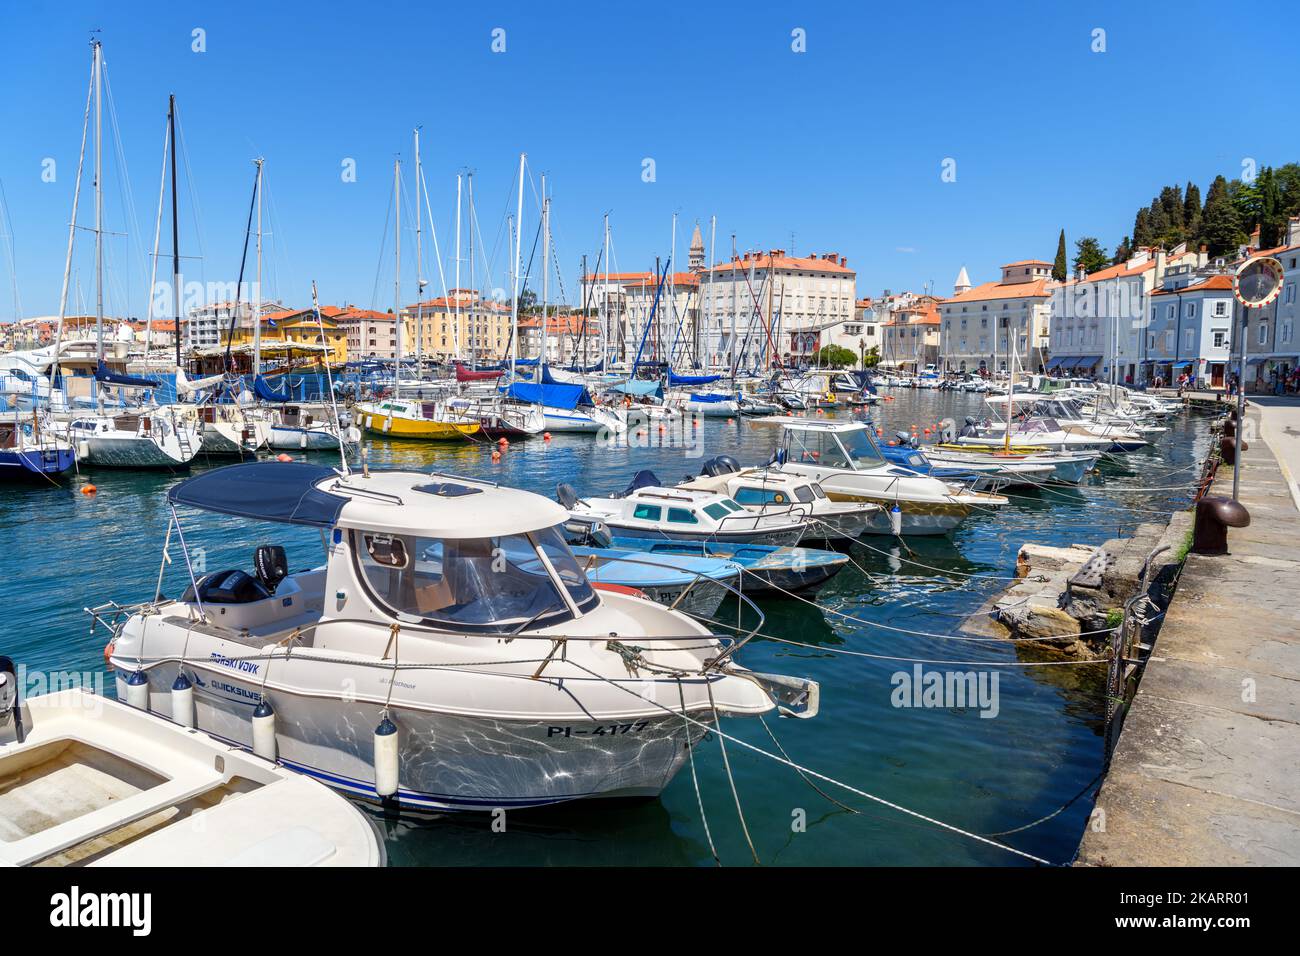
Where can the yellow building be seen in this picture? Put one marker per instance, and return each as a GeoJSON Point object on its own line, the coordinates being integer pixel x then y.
{"type": "Point", "coordinates": [291, 327]}
{"type": "Point", "coordinates": [481, 334]}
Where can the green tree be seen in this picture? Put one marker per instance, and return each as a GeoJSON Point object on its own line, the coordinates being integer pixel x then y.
{"type": "Point", "coordinates": [1142, 235]}
{"type": "Point", "coordinates": [871, 358]}
{"type": "Point", "coordinates": [1123, 252]}
{"type": "Point", "coordinates": [1272, 219]}
{"type": "Point", "coordinates": [1061, 267]}
{"type": "Point", "coordinates": [1192, 211]}
{"type": "Point", "coordinates": [835, 356]}
{"type": "Point", "coordinates": [1090, 255]}
{"type": "Point", "coordinates": [1220, 222]}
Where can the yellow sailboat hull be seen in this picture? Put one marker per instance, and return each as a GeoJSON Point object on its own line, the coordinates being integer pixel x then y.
{"type": "Point", "coordinates": [419, 429]}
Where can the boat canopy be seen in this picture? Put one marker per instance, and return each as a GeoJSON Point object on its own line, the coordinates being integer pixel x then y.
{"type": "Point", "coordinates": [464, 374]}
{"type": "Point", "coordinates": [262, 388]}
{"type": "Point", "coordinates": [555, 395]}
{"type": "Point", "coordinates": [708, 398]}
{"type": "Point", "coordinates": [107, 377]}
{"type": "Point", "coordinates": [283, 492]}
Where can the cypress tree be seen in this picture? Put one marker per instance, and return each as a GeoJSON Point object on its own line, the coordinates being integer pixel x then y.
{"type": "Point", "coordinates": [1220, 225]}
{"type": "Point", "coordinates": [1123, 252]}
{"type": "Point", "coordinates": [1272, 220]}
{"type": "Point", "coordinates": [1142, 229]}
{"type": "Point", "coordinates": [1192, 211]}
{"type": "Point", "coordinates": [1060, 268]}
{"type": "Point", "coordinates": [1090, 255]}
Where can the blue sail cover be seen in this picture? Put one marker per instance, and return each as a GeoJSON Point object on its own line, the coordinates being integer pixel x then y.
{"type": "Point", "coordinates": [556, 395]}
{"type": "Point", "coordinates": [263, 390]}
{"type": "Point", "coordinates": [708, 397]}
{"type": "Point", "coordinates": [638, 387]}
{"type": "Point", "coordinates": [284, 492]}
{"type": "Point", "coordinates": [675, 379]}
{"type": "Point", "coordinates": [106, 377]}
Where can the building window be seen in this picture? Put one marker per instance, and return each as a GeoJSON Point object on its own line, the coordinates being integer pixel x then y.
{"type": "Point", "coordinates": [1263, 334]}
{"type": "Point", "coordinates": [1220, 308]}
{"type": "Point", "coordinates": [1191, 310]}
{"type": "Point", "coordinates": [1189, 340]}
{"type": "Point", "coordinates": [1220, 338]}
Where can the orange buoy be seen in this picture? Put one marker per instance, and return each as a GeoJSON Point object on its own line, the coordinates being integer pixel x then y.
{"type": "Point", "coordinates": [546, 436]}
{"type": "Point", "coordinates": [496, 456]}
{"type": "Point", "coordinates": [503, 441]}
{"type": "Point", "coordinates": [283, 457]}
{"type": "Point", "coordinates": [88, 489]}
{"type": "Point", "coordinates": [731, 421]}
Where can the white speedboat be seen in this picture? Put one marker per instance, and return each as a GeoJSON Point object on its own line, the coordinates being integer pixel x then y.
{"type": "Point", "coordinates": [448, 654]}
{"type": "Point", "coordinates": [1062, 467]}
{"type": "Point", "coordinates": [843, 458]}
{"type": "Point", "coordinates": [704, 404]}
{"type": "Point", "coordinates": [297, 429]}
{"type": "Point", "coordinates": [767, 491]}
{"type": "Point", "coordinates": [88, 781]}
{"type": "Point", "coordinates": [651, 510]}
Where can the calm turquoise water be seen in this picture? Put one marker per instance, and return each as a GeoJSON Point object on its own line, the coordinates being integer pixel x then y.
{"type": "Point", "coordinates": [68, 550]}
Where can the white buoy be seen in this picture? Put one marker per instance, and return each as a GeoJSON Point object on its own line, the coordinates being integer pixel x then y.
{"type": "Point", "coordinates": [896, 519]}
{"type": "Point", "coordinates": [137, 690]}
{"type": "Point", "coordinates": [264, 730]}
{"type": "Point", "coordinates": [183, 700]}
{"type": "Point", "coordinates": [386, 757]}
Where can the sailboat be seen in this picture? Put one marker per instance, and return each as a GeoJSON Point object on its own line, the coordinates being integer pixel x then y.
{"type": "Point", "coordinates": [140, 435]}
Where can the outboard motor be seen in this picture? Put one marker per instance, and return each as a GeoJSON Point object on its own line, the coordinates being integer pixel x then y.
{"type": "Point", "coordinates": [969, 430]}
{"type": "Point", "coordinates": [720, 465]}
{"type": "Point", "coordinates": [271, 566]}
{"type": "Point", "coordinates": [11, 713]}
{"type": "Point", "coordinates": [642, 479]}
{"type": "Point", "coordinates": [566, 496]}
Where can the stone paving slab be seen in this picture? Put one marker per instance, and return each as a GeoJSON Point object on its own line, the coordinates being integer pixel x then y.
{"type": "Point", "coordinates": [1207, 769]}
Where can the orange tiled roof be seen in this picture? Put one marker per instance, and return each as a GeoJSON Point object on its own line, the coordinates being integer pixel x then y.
{"type": "Point", "coordinates": [1221, 282]}
{"type": "Point", "coordinates": [1027, 262]}
{"type": "Point", "coordinates": [1002, 290]}
{"type": "Point", "coordinates": [777, 259]}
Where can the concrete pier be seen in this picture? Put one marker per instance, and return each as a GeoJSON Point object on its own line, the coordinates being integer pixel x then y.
{"type": "Point", "coordinates": [1207, 769]}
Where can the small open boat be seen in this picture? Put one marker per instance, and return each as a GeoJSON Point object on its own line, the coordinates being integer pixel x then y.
{"type": "Point", "coordinates": [88, 781]}
{"type": "Point", "coordinates": [768, 570]}
{"type": "Point", "coordinates": [696, 585]}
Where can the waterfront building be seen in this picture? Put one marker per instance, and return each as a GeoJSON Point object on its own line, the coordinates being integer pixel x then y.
{"type": "Point", "coordinates": [1190, 327]}
{"type": "Point", "coordinates": [626, 301]}
{"type": "Point", "coordinates": [1272, 346]}
{"type": "Point", "coordinates": [911, 338]}
{"type": "Point", "coordinates": [370, 334]}
{"type": "Point", "coordinates": [976, 320]}
{"type": "Point", "coordinates": [460, 325]}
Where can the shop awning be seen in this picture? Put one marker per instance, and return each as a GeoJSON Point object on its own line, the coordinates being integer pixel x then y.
{"type": "Point", "coordinates": [1058, 362]}
{"type": "Point", "coordinates": [1086, 361]}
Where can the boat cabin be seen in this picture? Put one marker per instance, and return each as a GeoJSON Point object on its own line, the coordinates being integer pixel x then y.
{"type": "Point", "coordinates": [844, 445]}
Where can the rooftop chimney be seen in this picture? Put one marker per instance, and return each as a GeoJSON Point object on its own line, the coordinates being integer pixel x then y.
{"type": "Point", "coordinates": [1293, 231]}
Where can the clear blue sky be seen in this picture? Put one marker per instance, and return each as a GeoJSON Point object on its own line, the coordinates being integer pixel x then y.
{"type": "Point", "coordinates": [841, 145]}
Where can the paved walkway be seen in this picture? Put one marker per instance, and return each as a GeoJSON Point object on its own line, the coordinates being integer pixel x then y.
{"type": "Point", "coordinates": [1207, 770]}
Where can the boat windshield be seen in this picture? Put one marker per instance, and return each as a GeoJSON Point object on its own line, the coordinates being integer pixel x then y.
{"type": "Point", "coordinates": [860, 448]}
{"type": "Point", "coordinates": [493, 585]}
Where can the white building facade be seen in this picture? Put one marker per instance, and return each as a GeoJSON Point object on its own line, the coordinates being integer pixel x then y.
{"type": "Point", "coordinates": [981, 326]}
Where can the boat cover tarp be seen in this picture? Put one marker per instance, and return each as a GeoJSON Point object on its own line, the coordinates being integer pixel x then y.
{"type": "Point", "coordinates": [283, 492]}
{"type": "Point", "coordinates": [554, 395]}
{"type": "Point", "coordinates": [708, 398]}
{"type": "Point", "coordinates": [263, 390]}
{"type": "Point", "coordinates": [107, 377]}
{"type": "Point", "coordinates": [675, 379]}
{"type": "Point", "coordinates": [464, 374]}
{"type": "Point", "coordinates": [638, 387]}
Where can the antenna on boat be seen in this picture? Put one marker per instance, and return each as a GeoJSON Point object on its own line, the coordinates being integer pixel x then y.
{"type": "Point", "coordinates": [329, 381]}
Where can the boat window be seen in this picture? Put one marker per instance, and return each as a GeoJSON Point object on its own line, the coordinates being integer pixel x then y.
{"type": "Point", "coordinates": [763, 496]}
{"type": "Point", "coordinates": [682, 516]}
{"type": "Point", "coordinates": [715, 511]}
{"type": "Point", "coordinates": [860, 448]}
{"type": "Point", "coordinates": [817, 490]}
{"type": "Point", "coordinates": [803, 493]}
{"type": "Point", "coordinates": [492, 585]}
{"type": "Point", "coordinates": [647, 512]}
{"type": "Point", "coordinates": [731, 505]}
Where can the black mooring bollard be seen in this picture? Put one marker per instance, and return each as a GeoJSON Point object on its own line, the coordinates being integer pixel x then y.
{"type": "Point", "coordinates": [1214, 516]}
{"type": "Point", "coordinates": [1228, 449]}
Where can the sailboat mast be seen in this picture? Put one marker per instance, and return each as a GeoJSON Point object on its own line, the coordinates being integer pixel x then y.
{"type": "Point", "coordinates": [546, 268]}
{"type": "Point", "coordinates": [99, 205]}
{"type": "Point", "coordinates": [257, 296]}
{"type": "Point", "coordinates": [473, 304]}
{"type": "Point", "coordinates": [604, 302]}
{"type": "Point", "coordinates": [419, 265]}
{"type": "Point", "coordinates": [713, 238]}
{"type": "Point", "coordinates": [456, 292]}
{"type": "Point", "coordinates": [72, 224]}
{"type": "Point", "coordinates": [514, 281]}
{"type": "Point", "coordinates": [176, 249]}
{"type": "Point", "coordinates": [397, 279]}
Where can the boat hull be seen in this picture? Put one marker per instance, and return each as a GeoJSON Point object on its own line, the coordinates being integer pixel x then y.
{"type": "Point", "coordinates": [286, 438]}
{"type": "Point", "coordinates": [447, 761]}
{"type": "Point", "coordinates": [783, 537]}
{"type": "Point", "coordinates": [28, 463]}
{"type": "Point", "coordinates": [133, 451]}
{"type": "Point", "coordinates": [418, 429]}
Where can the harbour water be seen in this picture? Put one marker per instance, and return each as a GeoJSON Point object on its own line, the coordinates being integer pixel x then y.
{"type": "Point", "coordinates": [1041, 750]}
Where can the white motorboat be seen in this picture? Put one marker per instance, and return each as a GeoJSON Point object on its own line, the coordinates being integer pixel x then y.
{"type": "Point", "coordinates": [843, 458]}
{"type": "Point", "coordinates": [448, 654]}
{"type": "Point", "coordinates": [649, 509]}
{"type": "Point", "coordinates": [767, 491]}
{"type": "Point", "coordinates": [88, 781]}
{"type": "Point", "coordinates": [1062, 467]}
{"type": "Point", "coordinates": [140, 437]}
{"type": "Point", "coordinates": [705, 404]}
{"type": "Point", "coordinates": [298, 429]}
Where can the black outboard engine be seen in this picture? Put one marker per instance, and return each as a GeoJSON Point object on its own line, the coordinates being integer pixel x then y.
{"type": "Point", "coordinates": [566, 496]}
{"type": "Point", "coordinates": [271, 566]}
{"type": "Point", "coordinates": [969, 430]}
{"type": "Point", "coordinates": [642, 479]}
{"type": "Point", "coordinates": [720, 465]}
{"type": "Point", "coordinates": [11, 713]}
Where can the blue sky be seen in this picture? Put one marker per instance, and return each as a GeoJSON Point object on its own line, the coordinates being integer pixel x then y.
{"type": "Point", "coordinates": [841, 146]}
